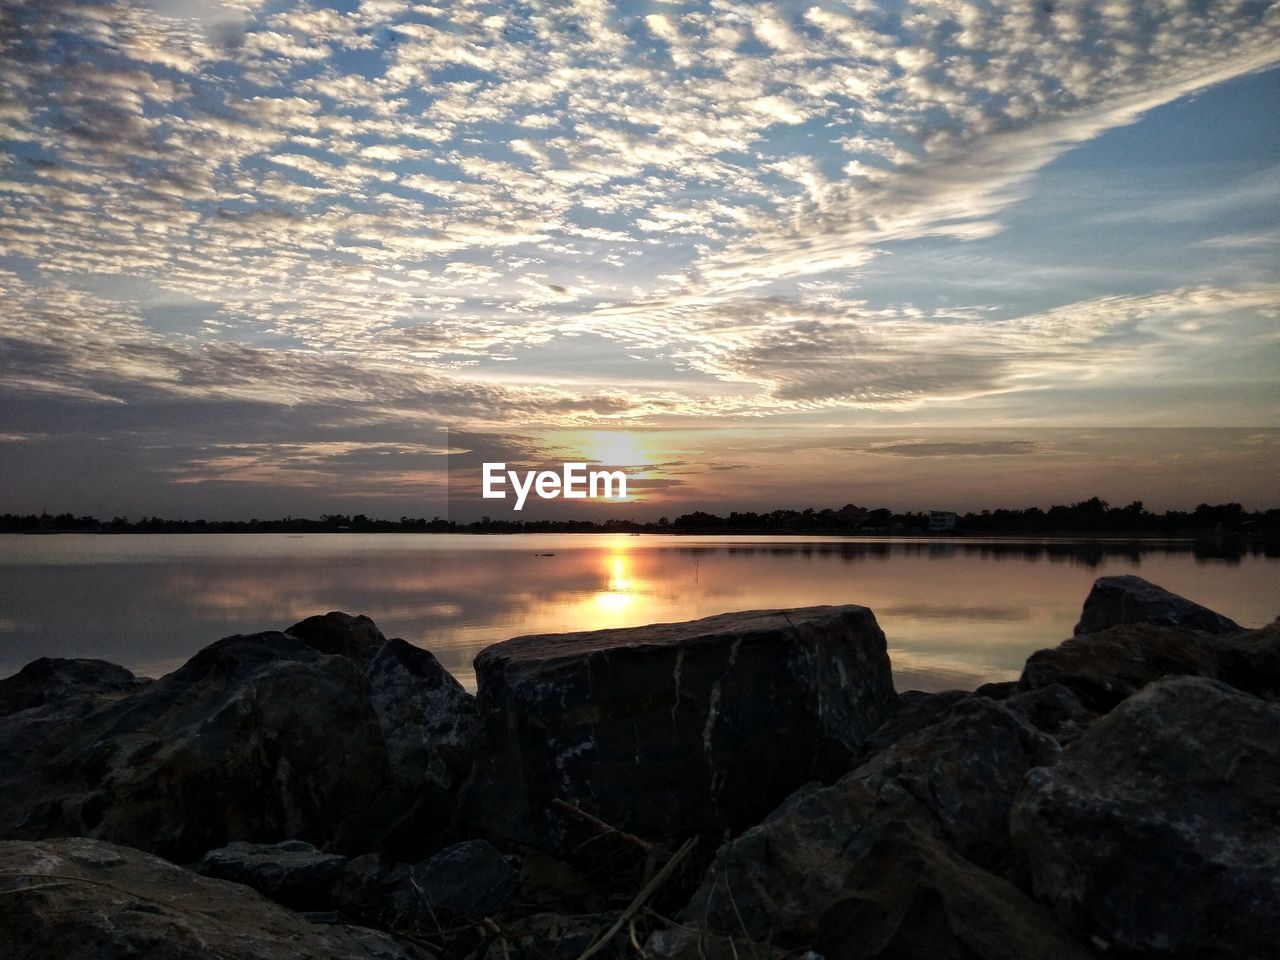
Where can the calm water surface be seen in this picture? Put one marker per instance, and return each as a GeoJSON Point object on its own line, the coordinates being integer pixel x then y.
{"type": "Point", "coordinates": [957, 613]}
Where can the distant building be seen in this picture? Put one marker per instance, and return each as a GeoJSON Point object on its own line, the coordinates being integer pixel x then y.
{"type": "Point", "coordinates": [941, 520]}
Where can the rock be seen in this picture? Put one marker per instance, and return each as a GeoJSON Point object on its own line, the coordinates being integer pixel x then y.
{"type": "Point", "coordinates": [54, 680]}
{"type": "Point", "coordinates": [1128, 599]}
{"type": "Point", "coordinates": [468, 880]}
{"type": "Point", "coordinates": [907, 897]}
{"type": "Point", "coordinates": [293, 873]}
{"type": "Point", "coordinates": [1054, 710]}
{"type": "Point", "coordinates": [998, 690]}
{"type": "Point", "coordinates": [1250, 660]}
{"type": "Point", "coordinates": [954, 781]}
{"type": "Point", "coordinates": [698, 727]}
{"type": "Point", "coordinates": [356, 638]}
{"type": "Point", "coordinates": [76, 899]}
{"type": "Point", "coordinates": [916, 710]}
{"type": "Point", "coordinates": [255, 738]}
{"type": "Point", "coordinates": [1156, 831]}
{"type": "Point", "coordinates": [427, 718]}
{"type": "Point", "coordinates": [914, 899]}
{"type": "Point", "coordinates": [1104, 668]}
{"type": "Point", "coordinates": [962, 774]}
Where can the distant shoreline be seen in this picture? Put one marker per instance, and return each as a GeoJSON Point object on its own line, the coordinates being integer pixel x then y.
{"type": "Point", "coordinates": [1092, 519]}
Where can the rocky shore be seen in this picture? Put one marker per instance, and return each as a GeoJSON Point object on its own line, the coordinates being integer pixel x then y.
{"type": "Point", "coordinates": [744, 786]}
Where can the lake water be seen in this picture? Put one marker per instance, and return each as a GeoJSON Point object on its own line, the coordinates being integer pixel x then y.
{"type": "Point", "coordinates": [957, 613]}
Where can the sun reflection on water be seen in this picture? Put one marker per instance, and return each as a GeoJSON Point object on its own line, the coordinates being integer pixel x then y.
{"type": "Point", "coordinates": [619, 592]}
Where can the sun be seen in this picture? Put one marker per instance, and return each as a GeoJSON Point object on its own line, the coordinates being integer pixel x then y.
{"type": "Point", "coordinates": [615, 449]}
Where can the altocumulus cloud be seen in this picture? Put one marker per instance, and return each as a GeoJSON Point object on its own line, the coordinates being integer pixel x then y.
{"type": "Point", "coordinates": [376, 216]}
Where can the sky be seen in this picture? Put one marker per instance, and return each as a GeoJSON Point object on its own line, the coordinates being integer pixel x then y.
{"type": "Point", "coordinates": [261, 258]}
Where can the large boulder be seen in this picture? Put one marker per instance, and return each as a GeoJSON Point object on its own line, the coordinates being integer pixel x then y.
{"type": "Point", "coordinates": [291, 872]}
{"type": "Point", "coordinates": [77, 899]}
{"type": "Point", "coordinates": [698, 727]}
{"type": "Point", "coordinates": [54, 680]}
{"type": "Point", "coordinates": [953, 782]}
{"type": "Point", "coordinates": [1155, 833]}
{"type": "Point", "coordinates": [255, 738]}
{"type": "Point", "coordinates": [1104, 668]}
{"type": "Point", "coordinates": [1130, 599]}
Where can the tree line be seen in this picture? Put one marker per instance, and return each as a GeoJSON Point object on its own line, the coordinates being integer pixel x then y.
{"type": "Point", "coordinates": [1088, 517]}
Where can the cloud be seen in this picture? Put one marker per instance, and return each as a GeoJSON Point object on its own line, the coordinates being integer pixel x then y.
{"type": "Point", "coordinates": [366, 213]}
{"type": "Point", "coordinates": [954, 448]}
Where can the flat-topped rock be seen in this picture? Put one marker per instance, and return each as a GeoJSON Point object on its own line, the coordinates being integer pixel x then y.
{"type": "Point", "coordinates": [1129, 599]}
{"type": "Point", "coordinates": [669, 729]}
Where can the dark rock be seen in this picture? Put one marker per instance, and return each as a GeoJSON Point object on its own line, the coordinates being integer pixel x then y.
{"type": "Point", "coordinates": [293, 873]}
{"type": "Point", "coordinates": [466, 881]}
{"type": "Point", "coordinates": [954, 781]}
{"type": "Point", "coordinates": [1129, 600]}
{"type": "Point", "coordinates": [1053, 709]}
{"type": "Point", "coordinates": [671, 728]}
{"type": "Point", "coordinates": [1156, 830]}
{"type": "Point", "coordinates": [255, 738]}
{"type": "Point", "coordinates": [340, 633]}
{"type": "Point", "coordinates": [1104, 668]}
{"type": "Point", "coordinates": [53, 680]}
{"type": "Point", "coordinates": [1250, 660]}
{"type": "Point", "coordinates": [916, 710]}
{"type": "Point", "coordinates": [76, 899]}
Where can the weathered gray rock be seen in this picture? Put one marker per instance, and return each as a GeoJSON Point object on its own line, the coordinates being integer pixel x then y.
{"type": "Point", "coordinates": [1129, 599]}
{"type": "Point", "coordinates": [55, 680]}
{"type": "Point", "coordinates": [292, 872]}
{"type": "Point", "coordinates": [1104, 668]}
{"type": "Point", "coordinates": [954, 781]}
{"type": "Point", "coordinates": [1156, 832]}
{"type": "Point", "coordinates": [76, 899]}
{"type": "Point", "coordinates": [671, 728]}
{"type": "Point", "coordinates": [465, 881]}
{"type": "Point", "coordinates": [255, 738]}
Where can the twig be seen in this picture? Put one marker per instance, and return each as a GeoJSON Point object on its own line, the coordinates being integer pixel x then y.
{"type": "Point", "coordinates": [649, 890]}
{"type": "Point", "coordinates": [34, 886]}
{"type": "Point", "coordinates": [603, 827]}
